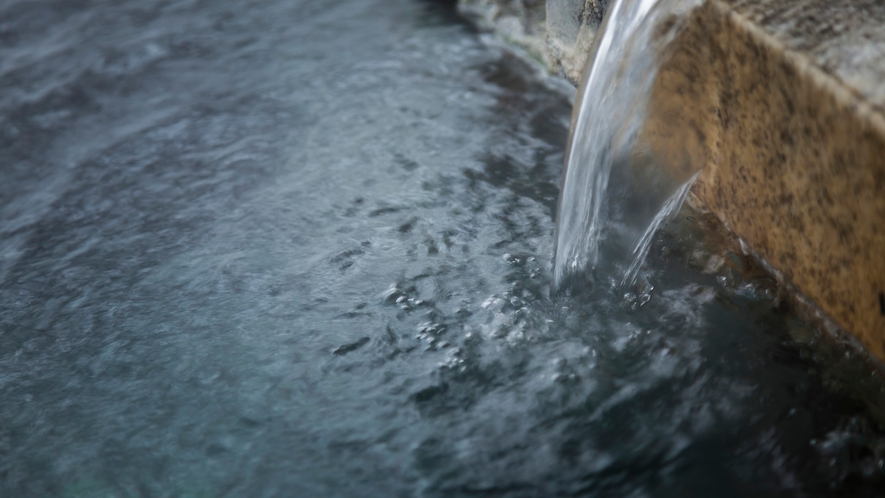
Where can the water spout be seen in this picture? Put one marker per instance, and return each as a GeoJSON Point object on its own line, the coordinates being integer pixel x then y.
{"type": "Point", "coordinates": [614, 192]}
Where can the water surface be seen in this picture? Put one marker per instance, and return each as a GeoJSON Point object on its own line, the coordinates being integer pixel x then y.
{"type": "Point", "coordinates": [301, 248]}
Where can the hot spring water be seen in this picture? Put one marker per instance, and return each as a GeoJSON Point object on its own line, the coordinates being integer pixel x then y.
{"type": "Point", "coordinates": [301, 248]}
{"type": "Point", "coordinates": [599, 215]}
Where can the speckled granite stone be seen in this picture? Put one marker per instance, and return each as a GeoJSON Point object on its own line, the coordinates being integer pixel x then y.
{"type": "Point", "coordinates": [845, 39]}
{"type": "Point", "coordinates": [796, 153]}
{"type": "Point", "coordinates": [792, 137]}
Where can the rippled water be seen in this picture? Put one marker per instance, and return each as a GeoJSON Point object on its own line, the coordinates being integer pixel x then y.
{"type": "Point", "coordinates": [301, 248]}
{"type": "Point", "coordinates": [616, 213]}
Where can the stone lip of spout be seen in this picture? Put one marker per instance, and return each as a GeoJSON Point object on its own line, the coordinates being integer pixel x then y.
{"type": "Point", "coordinates": [783, 103]}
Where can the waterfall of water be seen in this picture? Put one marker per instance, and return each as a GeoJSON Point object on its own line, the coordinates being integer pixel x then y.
{"type": "Point", "coordinates": [614, 195]}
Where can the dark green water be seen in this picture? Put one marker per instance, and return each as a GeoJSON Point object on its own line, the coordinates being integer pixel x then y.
{"type": "Point", "coordinates": [303, 248]}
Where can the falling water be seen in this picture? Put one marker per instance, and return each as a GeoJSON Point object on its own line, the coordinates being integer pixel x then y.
{"type": "Point", "coordinates": [608, 207]}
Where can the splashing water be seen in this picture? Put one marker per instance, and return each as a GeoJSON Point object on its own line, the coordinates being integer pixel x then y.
{"type": "Point", "coordinates": [605, 209]}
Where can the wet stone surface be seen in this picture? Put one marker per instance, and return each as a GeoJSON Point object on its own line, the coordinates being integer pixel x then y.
{"type": "Point", "coordinates": [298, 248]}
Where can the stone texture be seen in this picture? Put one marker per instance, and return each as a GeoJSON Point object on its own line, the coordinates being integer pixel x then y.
{"type": "Point", "coordinates": [796, 161]}
{"type": "Point", "coordinates": [843, 39]}
{"type": "Point", "coordinates": [793, 143]}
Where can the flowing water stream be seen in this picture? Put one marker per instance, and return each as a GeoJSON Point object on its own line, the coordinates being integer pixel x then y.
{"type": "Point", "coordinates": [595, 214]}
{"type": "Point", "coordinates": [301, 248]}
